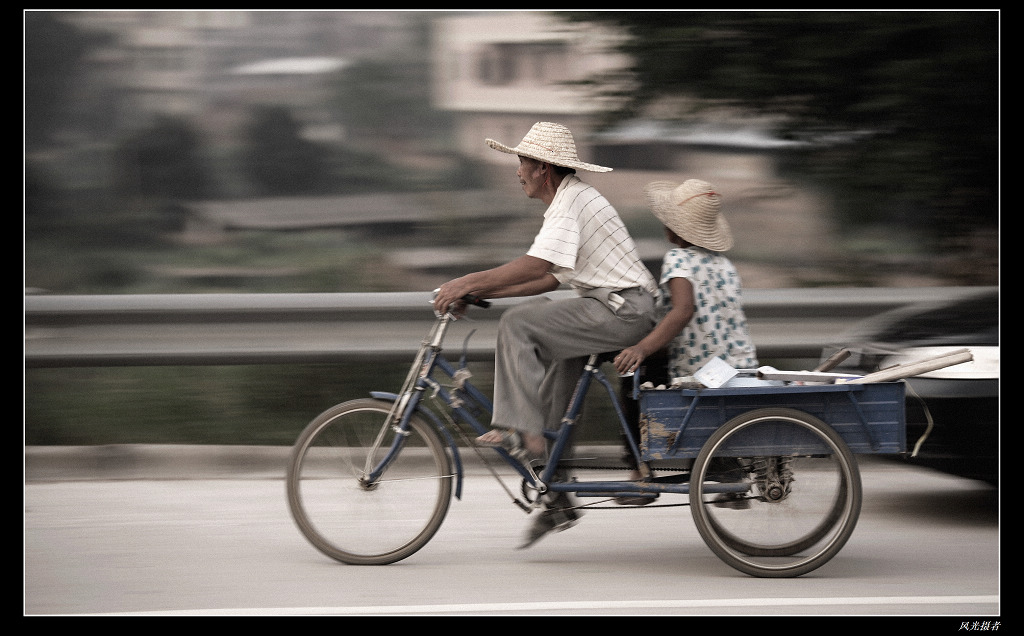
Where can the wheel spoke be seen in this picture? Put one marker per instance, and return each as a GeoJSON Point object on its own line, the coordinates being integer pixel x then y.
{"type": "Point", "coordinates": [360, 523]}
{"type": "Point", "coordinates": [798, 508]}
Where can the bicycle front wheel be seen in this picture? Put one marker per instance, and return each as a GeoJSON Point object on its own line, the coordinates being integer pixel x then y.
{"type": "Point", "coordinates": [352, 519]}
{"type": "Point", "coordinates": [796, 492]}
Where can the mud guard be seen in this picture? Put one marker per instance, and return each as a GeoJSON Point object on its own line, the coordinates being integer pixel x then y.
{"type": "Point", "coordinates": [445, 434]}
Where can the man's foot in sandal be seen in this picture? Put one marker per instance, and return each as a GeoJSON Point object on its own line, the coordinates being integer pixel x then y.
{"type": "Point", "coordinates": [512, 441]}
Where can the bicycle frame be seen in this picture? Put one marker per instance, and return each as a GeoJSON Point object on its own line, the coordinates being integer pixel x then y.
{"type": "Point", "coordinates": [462, 398]}
{"type": "Point", "coordinates": [749, 441]}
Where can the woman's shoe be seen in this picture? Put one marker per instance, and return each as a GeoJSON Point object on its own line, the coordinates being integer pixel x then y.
{"type": "Point", "coordinates": [560, 514]}
{"type": "Point", "coordinates": [636, 500]}
{"type": "Point", "coordinates": [734, 500]}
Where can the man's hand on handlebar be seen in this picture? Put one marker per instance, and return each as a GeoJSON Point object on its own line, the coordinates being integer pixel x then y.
{"type": "Point", "coordinates": [446, 302]}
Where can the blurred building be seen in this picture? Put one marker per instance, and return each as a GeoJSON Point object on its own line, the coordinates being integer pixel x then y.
{"type": "Point", "coordinates": [206, 64]}
{"type": "Point", "coordinates": [494, 73]}
{"type": "Point", "coordinates": [500, 72]}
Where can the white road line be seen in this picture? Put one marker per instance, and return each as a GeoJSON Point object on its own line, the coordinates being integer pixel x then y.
{"type": "Point", "coordinates": [578, 606]}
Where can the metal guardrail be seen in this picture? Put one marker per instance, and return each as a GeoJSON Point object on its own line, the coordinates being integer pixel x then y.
{"type": "Point", "coordinates": [230, 329]}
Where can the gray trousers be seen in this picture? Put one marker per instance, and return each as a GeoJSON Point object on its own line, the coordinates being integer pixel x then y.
{"type": "Point", "coordinates": [543, 345]}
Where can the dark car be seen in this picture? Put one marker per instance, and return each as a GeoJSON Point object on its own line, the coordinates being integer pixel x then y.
{"type": "Point", "coordinates": [952, 413]}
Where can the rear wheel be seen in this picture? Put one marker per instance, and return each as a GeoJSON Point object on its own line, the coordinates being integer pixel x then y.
{"type": "Point", "coordinates": [775, 492]}
{"type": "Point", "coordinates": [348, 517]}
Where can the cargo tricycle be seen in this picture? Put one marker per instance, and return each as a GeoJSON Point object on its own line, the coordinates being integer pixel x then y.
{"type": "Point", "coordinates": [768, 471]}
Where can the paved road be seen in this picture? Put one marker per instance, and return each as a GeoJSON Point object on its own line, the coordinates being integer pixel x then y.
{"type": "Point", "coordinates": [222, 543]}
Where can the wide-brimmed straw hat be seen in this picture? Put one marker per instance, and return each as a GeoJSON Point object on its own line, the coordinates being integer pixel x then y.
{"type": "Point", "coordinates": [550, 143]}
{"type": "Point", "coordinates": [691, 210]}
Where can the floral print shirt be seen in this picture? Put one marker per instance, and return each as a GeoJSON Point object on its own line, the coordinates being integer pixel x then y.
{"type": "Point", "coordinates": [719, 326]}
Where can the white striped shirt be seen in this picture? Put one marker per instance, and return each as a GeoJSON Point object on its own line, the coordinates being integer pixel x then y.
{"type": "Point", "coordinates": [587, 243]}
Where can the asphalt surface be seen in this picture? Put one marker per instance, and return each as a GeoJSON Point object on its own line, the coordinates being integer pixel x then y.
{"type": "Point", "coordinates": [197, 530]}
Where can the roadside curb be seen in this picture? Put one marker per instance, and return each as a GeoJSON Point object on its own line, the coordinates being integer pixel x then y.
{"type": "Point", "coordinates": [153, 461]}
{"type": "Point", "coordinates": [114, 462]}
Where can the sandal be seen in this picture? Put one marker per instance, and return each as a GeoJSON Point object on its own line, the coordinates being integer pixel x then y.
{"type": "Point", "coordinates": [511, 441]}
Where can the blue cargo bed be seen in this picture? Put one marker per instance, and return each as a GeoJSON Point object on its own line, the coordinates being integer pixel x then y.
{"type": "Point", "coordinates": [870, 417]}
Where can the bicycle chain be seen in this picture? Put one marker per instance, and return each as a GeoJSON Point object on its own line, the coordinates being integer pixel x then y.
{"type": "Point", "coordinates": [569, 464]}
{"type": "Point", "coordinates": [597, 505]}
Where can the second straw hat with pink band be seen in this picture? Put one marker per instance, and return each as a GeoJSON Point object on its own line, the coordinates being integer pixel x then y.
{"type": "Point", "coordinates": [692, 210]}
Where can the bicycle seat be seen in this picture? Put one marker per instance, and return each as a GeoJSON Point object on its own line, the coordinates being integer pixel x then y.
{"type": "Point", "coordinates": [608, 356]}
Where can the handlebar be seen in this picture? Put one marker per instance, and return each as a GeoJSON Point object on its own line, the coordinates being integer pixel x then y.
{"type": "Point", "coordinates": [476, 300]}
{"type": "Point", "coordinates": [469, 299]}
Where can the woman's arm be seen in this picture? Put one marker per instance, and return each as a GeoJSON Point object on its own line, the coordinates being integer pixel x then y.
{"type": "Point", "coordinates": [671, 324]}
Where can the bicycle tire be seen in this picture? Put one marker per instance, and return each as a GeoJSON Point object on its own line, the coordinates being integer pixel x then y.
{"type": "Point", "coordinates": [367, 524]}
{"type": "Point", "coordinates": [801, 506]}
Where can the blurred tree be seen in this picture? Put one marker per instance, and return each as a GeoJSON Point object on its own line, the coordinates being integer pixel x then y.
{"type": "Point", "coordinates": [55, 55]}
{"type": "Point", "coordinates": [163, 163]}
{"type": "Point", "coordinates": [280, 162]}
{"type": "Point", "coordinates": [386, 101]}
{"type": "Point", "coordinates": [277, 159]}
{"type": "Point", "coordinates": [58, 103]}
{"type": "Point", "coordinates": [381, 99]}
{"type": "Point", "coordinates": [908, 101]}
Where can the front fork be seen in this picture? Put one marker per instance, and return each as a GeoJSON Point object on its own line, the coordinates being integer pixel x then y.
{"type": "Point", "coordinates": [438, 426]}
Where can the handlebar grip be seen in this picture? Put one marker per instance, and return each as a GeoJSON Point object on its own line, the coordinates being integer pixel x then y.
{"type": "Point", "coordinates": [476, 300]}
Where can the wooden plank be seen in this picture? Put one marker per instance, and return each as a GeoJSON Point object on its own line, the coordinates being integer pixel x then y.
{"type": "Point", "coordinates": [833, 360]}
{"type": "Point", "coordinates": [916, 368]}
{"type": "Point", "coordinates": [771, 373]}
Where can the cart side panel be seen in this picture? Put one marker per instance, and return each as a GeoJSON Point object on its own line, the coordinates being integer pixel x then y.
{"type": "Point", "coordinates": [869, 417]}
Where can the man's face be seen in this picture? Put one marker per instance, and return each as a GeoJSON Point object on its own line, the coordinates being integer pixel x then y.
{"type": "Point", "coordinates": [532, 175]}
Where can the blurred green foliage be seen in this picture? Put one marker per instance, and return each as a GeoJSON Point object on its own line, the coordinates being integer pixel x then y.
{"type": "Point", "coordinates": [901, 107]}
{"type": "Point", "coordinates": [263, 404]}
{"type": "Point", "coordinates": [233, 405]}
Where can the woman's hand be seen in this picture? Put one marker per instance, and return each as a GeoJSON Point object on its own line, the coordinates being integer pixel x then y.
{"type": "Point", "coordinates": [629, 359]}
